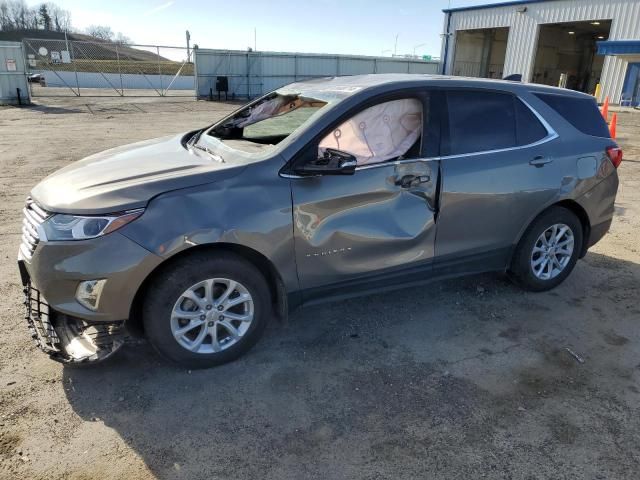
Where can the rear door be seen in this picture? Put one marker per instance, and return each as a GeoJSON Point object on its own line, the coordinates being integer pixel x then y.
{"type": "Point", "coordinates": [497, 172]}
{"type": "Point", "coordinates": [377, 227]}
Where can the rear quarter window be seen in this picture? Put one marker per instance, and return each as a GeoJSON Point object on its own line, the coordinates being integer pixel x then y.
{"type": "Point", "coordinates": [582, 113]}
{"type": "Point", "coordinates": [528, 128]}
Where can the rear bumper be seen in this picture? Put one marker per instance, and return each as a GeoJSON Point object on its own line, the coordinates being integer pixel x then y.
{"type": "Point", "coordinates": [597, 232]}
{"type": "Point", "coordinates": [599, 204]}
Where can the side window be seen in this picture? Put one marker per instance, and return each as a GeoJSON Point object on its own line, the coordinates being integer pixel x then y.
{"type": "Point", "coordinates": [480, 121]}
{"type": "Point", "coordinates": [387, 131]}
{"type": "Point", "coordinates": [581, 112]}
{"type": "Point", "coordinates": [528, 127]}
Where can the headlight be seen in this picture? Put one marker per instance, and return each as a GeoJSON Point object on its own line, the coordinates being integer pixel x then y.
{"type": "Point", "coordinates": [76, 227]}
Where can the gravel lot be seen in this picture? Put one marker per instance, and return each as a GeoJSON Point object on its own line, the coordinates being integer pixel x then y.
{"type": "Point", "coordinates": [464, 379]}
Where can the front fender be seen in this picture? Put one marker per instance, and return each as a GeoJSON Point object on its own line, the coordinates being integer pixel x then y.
{"type": "Point", "coordinates": [252, 210]}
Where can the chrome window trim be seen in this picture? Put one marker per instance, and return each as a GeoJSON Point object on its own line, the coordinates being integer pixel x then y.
{"type": "Point", "coordinates": [397, 162]}
{"type": "Point", "coordinates": [292, 176]}
{"type": "Point", "coordinates": [369, 167]}
{"type": "Point", "coordinates": [551, 135]}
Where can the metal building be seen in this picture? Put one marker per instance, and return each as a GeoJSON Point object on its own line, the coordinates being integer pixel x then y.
{"type": "Point", "coordinates": [251, 74]}
{"type": "Point", "coordinates": [554, 42]}
{"type": "Point", "coordinates": [13, 78]}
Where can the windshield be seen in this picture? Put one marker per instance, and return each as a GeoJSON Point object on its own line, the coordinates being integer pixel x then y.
{"type": "Point", "coordinates": [262, 125]}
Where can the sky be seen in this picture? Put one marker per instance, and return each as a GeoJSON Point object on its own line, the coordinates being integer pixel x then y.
{"type": "Point", "coordinates": [319, 26]}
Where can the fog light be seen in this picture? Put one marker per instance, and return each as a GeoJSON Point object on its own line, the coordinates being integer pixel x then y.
{"type": "Point", "coordinates": [88, 293]}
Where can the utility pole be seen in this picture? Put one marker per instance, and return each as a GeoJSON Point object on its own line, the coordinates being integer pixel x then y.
{"type": "Point", "coordinates": [395, 46]}
{"type": "Point", "coordinates": [188, 36]}
{"type": "Point", "coordinates": [255, 39]}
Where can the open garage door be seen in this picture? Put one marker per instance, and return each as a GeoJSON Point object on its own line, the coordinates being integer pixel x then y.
{"type": "Point", "coordinates": [480, 52]}
{"type": "Point", "coordinates": [566, 54]}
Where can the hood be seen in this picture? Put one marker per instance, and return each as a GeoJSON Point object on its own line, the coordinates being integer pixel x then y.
{"type": "Point", "coordinates": [128, 177]}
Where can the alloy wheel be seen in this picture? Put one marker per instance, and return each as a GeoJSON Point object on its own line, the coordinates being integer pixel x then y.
{"type": "Point", "coordinates": [212, 315]}
{"type": "Point", "coordinates": [552, 251]}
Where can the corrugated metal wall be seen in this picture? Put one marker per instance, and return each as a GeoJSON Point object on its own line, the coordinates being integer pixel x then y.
{"type": "Point", "coordinates": [252, 74]}
{"type": "Point", "coordinates": [524, 28]}
{"type": "Point", "coordinates": [11, 54]}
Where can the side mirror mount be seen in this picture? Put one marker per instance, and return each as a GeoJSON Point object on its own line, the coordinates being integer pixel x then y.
{"type": "Point", "coordinates": [333, 162]}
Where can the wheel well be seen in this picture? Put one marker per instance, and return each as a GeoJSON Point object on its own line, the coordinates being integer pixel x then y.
{"type": "Point", "coordinates": [276, 285]}
{"type": "Point", "coordinates": [579, 212]}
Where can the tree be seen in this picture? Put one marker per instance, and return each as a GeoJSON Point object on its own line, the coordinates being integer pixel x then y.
{"type": "Point", "coordinates": [45, 18]}
{"type": "Point", "coordinates": [16, 15]}
{"type": "Point", "coordinates": [61, 18]}
{"type": "Point", "coordinates": [102, 32]}
{"type": "Point", "coordinates": [5, 17]}
{"type": "Point", "coordinates": [122, 39]}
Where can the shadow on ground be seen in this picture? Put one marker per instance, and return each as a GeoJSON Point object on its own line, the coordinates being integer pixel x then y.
{"type": "Point", "coordinates": [463, 378]}
{"type": "Point", "coordinates": [52, 110]}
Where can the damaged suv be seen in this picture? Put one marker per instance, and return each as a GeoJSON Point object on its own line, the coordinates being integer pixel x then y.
{"type": "Point", "coordinates": [323, 189]}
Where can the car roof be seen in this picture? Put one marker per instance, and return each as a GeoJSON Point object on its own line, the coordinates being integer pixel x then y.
{"type": "Point", "coordinates": [354, 83]}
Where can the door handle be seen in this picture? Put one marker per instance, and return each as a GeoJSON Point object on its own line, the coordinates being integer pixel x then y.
{"type": "Point", "coordinates": [540, 161]}
{"type": "Point", "coordinates": [408, 181]}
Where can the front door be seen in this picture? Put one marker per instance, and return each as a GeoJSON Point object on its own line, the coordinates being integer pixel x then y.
{"type": "Point", "coordinates": [374, 228]}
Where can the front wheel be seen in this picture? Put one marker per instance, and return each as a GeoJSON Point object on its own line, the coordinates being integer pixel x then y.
{"type": "Point", "coordinates": [206, 310]}
{"type": "Point", "coordinates": [548, 250]}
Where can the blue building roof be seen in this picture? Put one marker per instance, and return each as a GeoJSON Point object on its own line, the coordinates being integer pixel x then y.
{"type": "Point", "coordinates": [494, 5]}
{"type": "Point", "coordinates": [619, 47]}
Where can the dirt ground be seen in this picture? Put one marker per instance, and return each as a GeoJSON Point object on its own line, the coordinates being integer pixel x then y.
{"type": "Point", "coordinates": [468, 378]}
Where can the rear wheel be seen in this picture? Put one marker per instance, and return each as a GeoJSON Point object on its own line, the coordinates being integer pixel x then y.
{"type": "Point", "coordinates": [548, 250]}
{"type": "Point", "coordinates": [207, 310]}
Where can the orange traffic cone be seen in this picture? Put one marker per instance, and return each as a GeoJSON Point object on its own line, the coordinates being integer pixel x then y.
{"type": "Point", "coordinates": [605, 109]}
{"type": "Point", "coordinates": [613, 125]}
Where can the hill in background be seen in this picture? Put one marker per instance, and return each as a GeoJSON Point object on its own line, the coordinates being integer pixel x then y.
{"type": "Point", "coordinates": [95, 48]}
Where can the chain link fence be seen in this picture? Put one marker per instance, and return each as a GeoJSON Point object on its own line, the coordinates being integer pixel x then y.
{"type": "Point", "coordinates": [83, 68]}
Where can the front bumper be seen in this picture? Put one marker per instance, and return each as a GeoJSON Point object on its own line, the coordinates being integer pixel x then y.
{"type": "Point", "coordinates": [57, 268]}
{"type": "Point", "coordinates": [67, 339]}
{"type": "Point", "coordinates": [63, 328]}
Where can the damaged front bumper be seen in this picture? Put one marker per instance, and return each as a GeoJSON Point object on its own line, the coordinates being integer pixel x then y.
{"type": "Point", "coordinates": [69, 330]}
{"type": "Point", "coordinates": [67, 339]}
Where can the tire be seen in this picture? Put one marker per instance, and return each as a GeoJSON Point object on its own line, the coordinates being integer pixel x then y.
{"type": "Point", "coordinates": [195, 275]}
{"type": "Point", "coordinates": [526, 264]}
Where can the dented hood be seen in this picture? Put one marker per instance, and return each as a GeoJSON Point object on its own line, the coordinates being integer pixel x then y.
{"type": "Point", "coordinates": [128, 177]}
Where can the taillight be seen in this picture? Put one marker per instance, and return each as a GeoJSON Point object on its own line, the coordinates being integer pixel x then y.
{"type": "Point", "coordinates": [615, 155]}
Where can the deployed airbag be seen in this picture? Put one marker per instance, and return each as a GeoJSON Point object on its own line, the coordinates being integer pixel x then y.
{"type": "Point", "coordinates": [378, 133]}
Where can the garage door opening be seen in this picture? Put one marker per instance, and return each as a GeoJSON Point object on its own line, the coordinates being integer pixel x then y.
{"type": "Point", "coordinates": [566, 54]}
{"type": "Point", "coordinates": [480, 53]}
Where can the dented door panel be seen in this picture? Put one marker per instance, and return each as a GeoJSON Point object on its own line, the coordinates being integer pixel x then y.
{"type": "Point", "coordinates": [379, 219]}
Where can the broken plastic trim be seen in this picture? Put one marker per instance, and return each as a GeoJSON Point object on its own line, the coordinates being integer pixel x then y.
{"type": "Point", "coordinates": [67, 339]}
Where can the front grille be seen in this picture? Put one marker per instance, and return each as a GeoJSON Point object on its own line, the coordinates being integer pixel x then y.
{"type": "Point", "coordinates": [34, 216]}
{"type": "Point", "coordinates": [39, 319]}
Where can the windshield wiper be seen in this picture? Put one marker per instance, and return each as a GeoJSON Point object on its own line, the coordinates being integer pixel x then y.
{"type": "Point", "coordinates": [193, 143]}
{"type": "Point", "coordinates": [196, 136]}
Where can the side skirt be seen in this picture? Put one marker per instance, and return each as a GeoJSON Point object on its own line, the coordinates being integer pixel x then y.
{"type": "Point", "coordinates": [441, 269]}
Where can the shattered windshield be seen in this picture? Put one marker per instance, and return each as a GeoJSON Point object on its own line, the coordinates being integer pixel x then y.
{"type": "Point", "coordinates": [261, 125]}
